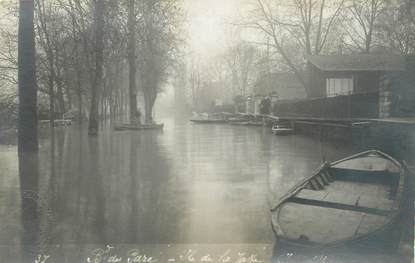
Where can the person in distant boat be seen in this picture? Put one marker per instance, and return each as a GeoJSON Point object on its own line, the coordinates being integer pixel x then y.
{"type": "Point", "coordinates": [138, 116]}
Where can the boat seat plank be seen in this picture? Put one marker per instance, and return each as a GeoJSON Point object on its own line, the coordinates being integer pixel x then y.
{"type": "Point", "coordinates": [328, 176]}
{"type": "Point", "coordinates": [323, 177]}
{"type": "Point", "coordinates": [314, 185]}
{"type": "Point", "coordinates": [340, 206]}
{"type": "Point", "coordinates": [320, 181]}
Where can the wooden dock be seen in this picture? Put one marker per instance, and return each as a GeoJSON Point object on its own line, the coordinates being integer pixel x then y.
{"type": "Point", "coordinates": [333, 121]}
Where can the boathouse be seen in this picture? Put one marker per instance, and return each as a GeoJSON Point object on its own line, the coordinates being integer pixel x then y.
{"type": "Point", "coordinates": [349, 86]}
{"type": "Point", "coordinates": [337, 75]}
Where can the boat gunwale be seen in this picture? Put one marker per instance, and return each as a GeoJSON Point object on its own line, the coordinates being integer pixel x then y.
{"type": "Point", "coordinates": [132, 127]}
{"type": "Point", "coordinates": [208, 120]}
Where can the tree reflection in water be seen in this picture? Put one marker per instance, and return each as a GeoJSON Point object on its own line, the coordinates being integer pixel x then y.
{"type": "Point", "coordinates": [29, 175]}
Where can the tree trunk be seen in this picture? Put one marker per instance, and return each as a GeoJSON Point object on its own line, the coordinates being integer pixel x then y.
{"type": "Point", "coordinates": [150, 95]}
{"type": "Point", "coordinates": [60, 95]}
{"type": "Point", "coordinates": [51, 80]}
{"type": "Point", "coordinates": [79, 92]}
{"type": "Point", "coordinates": [77, 64]}
{"type": "Point", "coordinates": [148, 104]}
{"type": "Point", "coordinates": [29, 188]}
{"type": "Point", "coordinates": [47, 45]}
{"type": "Point", "coordinates": [59, 80]}
{"type": "Point", "coordinates": [134, 115]}
{"type": "Point", "coordinates": [27, 122]}
{"type": "Point", "coordinates": [99, 46]}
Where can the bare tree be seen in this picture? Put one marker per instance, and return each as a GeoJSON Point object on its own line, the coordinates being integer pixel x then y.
{"type": "Point", "coordinates": [159, 39]}
{"type": "Point", "coordinates": [132, 61]}
{"type": "Point", "coordinates": [240, 60]}
{"type": "Point", "coordinates": [180, 85]}
{"type": "Point", "coordinates": [44, 33]}
{"type": "Point", "coordinates": [27, 123]}
{"type": "Point", "coordinates": [296, 29]}
{"type": "Point", "coordinates": [396, 27]}
{"type": "Point", "coordinates": [364, 15]}
{"type": "Point", "coordinates": [195, 80]}
{"type": "Point", "coordinates": [8, 56]}
{"type": "Point", "coordinates": [99, 62]}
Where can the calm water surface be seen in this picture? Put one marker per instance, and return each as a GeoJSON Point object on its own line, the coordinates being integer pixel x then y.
{"type": "Point", "coordinates": [187, 184]}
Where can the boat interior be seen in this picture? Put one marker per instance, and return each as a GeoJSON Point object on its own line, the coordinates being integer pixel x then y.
{"type": "Point", "coordinates": [343, 201]}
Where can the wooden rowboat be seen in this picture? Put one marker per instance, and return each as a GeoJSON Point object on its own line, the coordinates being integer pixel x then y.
{"type": "Point", "coordinates": [208, 121]}
{"type": "Point", "coordinates": [282, 130]}
{"type": "Point", "coordinates": [238, 123]}
{"type": "Point", "coordinates": [355, 202]}
{"type": "Point", "coordinates": [151, 126]}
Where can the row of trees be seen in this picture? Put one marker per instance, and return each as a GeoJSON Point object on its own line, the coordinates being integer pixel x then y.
{"type": "Point", "coordinates": [286, 32]}
{"type": "Point", "coordinates": [298, 28]}
{"type": "Point", "coordinates": [224, 75]}
{"type": "Point", "coordinates": [86, 50]}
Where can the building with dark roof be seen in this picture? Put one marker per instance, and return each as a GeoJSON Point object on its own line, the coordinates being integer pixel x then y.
{"type": "Point", "coordinates": [358, 62]}
{"type": "Point", "coordinates": [356, 86]}
{"type": "Point", "coordinates": [336, 75]}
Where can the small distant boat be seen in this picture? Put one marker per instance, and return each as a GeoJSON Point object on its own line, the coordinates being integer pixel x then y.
{"type": "Point", "coordinates": [145, 126]}
{"type": "Point", "coordinates": [281, 130]}
{"type": "Point", "coordinates": [208, 120]}
{"type": "Point", "coordinates": [56, 122]}
{"type": "Point", "coordinates": [246, 123]}
{"type": "Point", "coordinates": [356, 202]}
{"type": "Point", "coordinates": [152, 126]}
{"type": "Point", "coordinates": [238, 119]}
{"type": "Point", "coordinates": [238, 122]}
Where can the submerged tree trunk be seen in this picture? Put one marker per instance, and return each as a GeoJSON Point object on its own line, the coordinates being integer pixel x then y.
{"type": "Point", "coordinates": [134, 115]}
{"type": "Point", "coordinates": [79, 90]}
{"type": "Point", "coordinates": [60, 95]}
{"type": "Point", "coordinates": [59, 85]}
{"type": "Point", "coordinates": [29, 188]}
{"type": "Point", "coordinates": [148, 106]}
{"type": "Point", "coordinates": [27, 122]}
{"type": "Point", "coordinates": [150, 95]}
{"type": "Point", "coordinates": [99, 46]}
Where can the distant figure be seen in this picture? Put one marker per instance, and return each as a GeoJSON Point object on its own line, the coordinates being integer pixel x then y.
{"type": "Point", "coordinates": [138, 116]}
{"type": "Point", "coordinates": [136, 120]}
{"type": "Point", "coordinates": [265, 106]}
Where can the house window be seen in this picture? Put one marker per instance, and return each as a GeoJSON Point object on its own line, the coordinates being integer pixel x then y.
{"type": "Point", "coordinates": [337, 87]}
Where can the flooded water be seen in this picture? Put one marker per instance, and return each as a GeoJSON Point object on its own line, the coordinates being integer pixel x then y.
{"type": "Point", "coordinates": [186, 184]}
